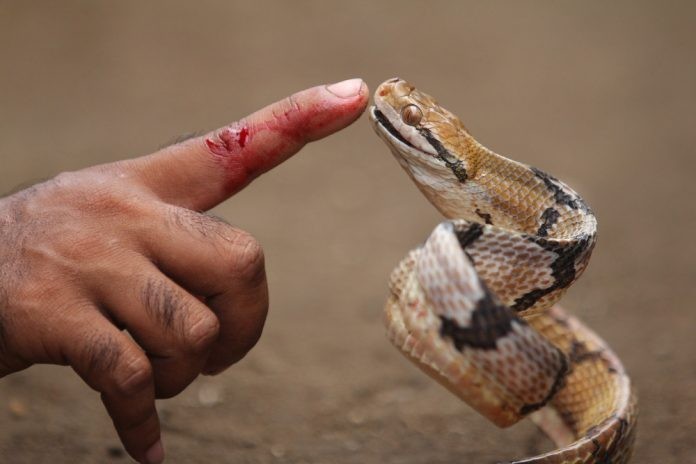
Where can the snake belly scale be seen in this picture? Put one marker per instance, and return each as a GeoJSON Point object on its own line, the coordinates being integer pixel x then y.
{"type": "Point", "coordinates": [475, 306]}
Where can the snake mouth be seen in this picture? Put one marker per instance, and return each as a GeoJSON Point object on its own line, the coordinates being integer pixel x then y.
{"type": "Point", "coordinates": [380, 119]}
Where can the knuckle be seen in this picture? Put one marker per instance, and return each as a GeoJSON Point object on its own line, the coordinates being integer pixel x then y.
{"type": "Point", "coordinates": [203, 333]}
{"type": "Point", "coordinates": [249, 261]}
{"type": "Point", "coordinates": [133, 375]}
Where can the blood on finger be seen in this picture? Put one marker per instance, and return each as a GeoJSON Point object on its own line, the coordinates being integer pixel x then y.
{"type": "Point", "coordinates": [254, 145]}
{"type": "Point", "coordinates": [229, 140]}
{"type": "Point", "coordinates": [230, 147]}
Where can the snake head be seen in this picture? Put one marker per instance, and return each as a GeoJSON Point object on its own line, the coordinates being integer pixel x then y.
{"type": "Point", "coordinates": [407, 117]}
{"type": "Point", "coordinates": [429, 142]}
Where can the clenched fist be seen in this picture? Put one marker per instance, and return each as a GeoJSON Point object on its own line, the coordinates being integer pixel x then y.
{"type": "Point", "coordinates": [125, 247]}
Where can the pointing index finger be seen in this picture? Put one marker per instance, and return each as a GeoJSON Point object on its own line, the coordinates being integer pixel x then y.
{"type": "Point", "coordinates": [201, 172]}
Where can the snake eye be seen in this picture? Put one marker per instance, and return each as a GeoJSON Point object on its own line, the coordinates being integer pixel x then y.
{"type": "Point", "coordinates": [411, 115]}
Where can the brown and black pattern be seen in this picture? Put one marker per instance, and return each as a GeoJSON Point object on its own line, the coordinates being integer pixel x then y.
{"type": "Point", "coordinates": [490, 321]}
{"type": "Point", "coordinates": [569, 254]}
{"type": "Point", "coordinates": [446, 312]}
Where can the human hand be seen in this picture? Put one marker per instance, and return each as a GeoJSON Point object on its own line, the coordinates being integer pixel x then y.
{"type": "Point", "coordinates": [120, 246]}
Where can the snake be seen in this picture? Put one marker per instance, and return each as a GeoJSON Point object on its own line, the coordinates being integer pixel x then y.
{"type": "Point", "coordinates": [475, 306]}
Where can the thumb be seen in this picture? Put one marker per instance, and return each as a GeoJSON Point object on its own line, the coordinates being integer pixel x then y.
{"type": "Point", "coordinates": [202, 172]}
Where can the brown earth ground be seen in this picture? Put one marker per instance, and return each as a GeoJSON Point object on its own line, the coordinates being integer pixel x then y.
{"type": "Point", "coordinates": [599, 94]}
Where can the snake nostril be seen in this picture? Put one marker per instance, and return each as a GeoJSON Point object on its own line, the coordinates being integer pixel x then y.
{"type": "Point", "coordinates": [394, 79]}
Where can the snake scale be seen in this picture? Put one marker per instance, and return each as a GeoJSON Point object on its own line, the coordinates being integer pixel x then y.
{"type": "Point", "coordinates": [475, 306]}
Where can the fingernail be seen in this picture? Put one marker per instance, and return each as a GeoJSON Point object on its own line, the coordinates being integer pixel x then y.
{"type": "Point", "coordinates": [155, 455]}
{"type": "Point", "coordinates": [346, 89]}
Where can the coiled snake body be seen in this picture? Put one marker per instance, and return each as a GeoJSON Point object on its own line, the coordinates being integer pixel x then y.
{"type": "Point", "coordinates": [474, 307]}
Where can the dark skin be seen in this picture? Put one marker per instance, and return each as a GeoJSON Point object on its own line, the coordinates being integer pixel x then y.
{"type": "Point", "coordinates": [125, 245]}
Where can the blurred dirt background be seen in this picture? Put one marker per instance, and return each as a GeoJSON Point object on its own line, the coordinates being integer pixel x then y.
{"type": "Point", "coordinates": [600, 94]}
